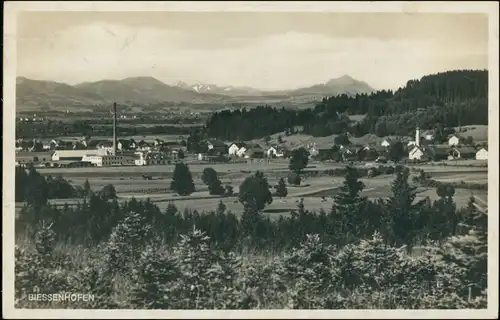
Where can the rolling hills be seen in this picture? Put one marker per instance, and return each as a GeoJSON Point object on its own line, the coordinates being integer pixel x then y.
{"type": "Point", "coordinates": [148, 90]}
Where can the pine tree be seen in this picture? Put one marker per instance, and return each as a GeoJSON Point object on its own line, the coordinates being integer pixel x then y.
{"type": "Point", "coordinates": [445, 214]}
{"type": "Point", "coordinates": [349, 206]}
{"type": "Point", "coordinates": [20, 184]}
{"type": "Point", "coordinates": [229, 190]}
{"type": "Point", "coordinates": [254, 192]}
{"type": "Point", "coordinates": [36, 189]}
{"type": "Point", "coordinates": [155, 280]}
{"type": "Point", "coordinates": [468, 254]}
{"type": "Point", "coordinates": [87, 191]}
{"type": "Point", "coordinates": [250, 222]}
{"type": "Point", "coordinates": [216, 188]}
{"type": "Point", "coordinates": [196, 257]}
{"type": "Point", "coordinates": [298, 160]}
{"type": "Point", "coordinates": [182, 180]}
{"type": "Point", "coordinates": [281, 190]}
{"type": "Point", "coordinates": [396, 151]}
{"type": "Point", "coordinates": [108, 192]}
{"type": "Point", "coordinates": [402, 212]}
{"type": "Point", "coordinates": [127, 240]}
{"type": "Point", "coordinates": [294, 178]}
{"type": "Point", "coordinates": [221, 208]}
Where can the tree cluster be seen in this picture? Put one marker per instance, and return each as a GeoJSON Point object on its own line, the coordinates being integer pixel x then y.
{"type": "Point", "coordinates": [446, 99]}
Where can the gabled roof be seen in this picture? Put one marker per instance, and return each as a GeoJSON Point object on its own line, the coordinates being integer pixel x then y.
{"type": "Point", "coordinates": [106, 143]}
{"type": "Point", "coordinates": [26, 154]}
{"type": "Point", "coordinates": [348, 150]}
{"type": "Point", "coordinates": [94, 143]}
{"type": "Point", "coordinates": [376, 147]}
{"type": "Point", "coordinates": [239, 144]}
{"type": "Point", "coordinates": [143, 143]}
{"type": "Point", "coordinates": [427, 132]}
{"type": "Point", "coordinates": [440, 151]}
{"type": "Point", "coordinates": [255, 148]}
{"type": "Point", "coordinates": [125, 142]}
{"type": "Point", "coordinates": [73, 153]}
{"type": "Point", "coordinates": [217, 143]}
{"type": "Point", "coordinates": [421, 148]}
{"type": "Point", "coordinates": [465, 150]}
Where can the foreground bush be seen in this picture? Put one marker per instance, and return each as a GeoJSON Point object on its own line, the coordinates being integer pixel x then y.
{"type": "Point", "coordinates": [197, 275]}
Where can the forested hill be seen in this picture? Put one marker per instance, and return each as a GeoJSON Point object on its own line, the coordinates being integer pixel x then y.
{"type": "Point", "coordinates": [445, 99]}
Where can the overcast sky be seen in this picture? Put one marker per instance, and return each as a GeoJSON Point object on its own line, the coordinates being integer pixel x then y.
{"type": "Point", "coordinates": [262, 50]}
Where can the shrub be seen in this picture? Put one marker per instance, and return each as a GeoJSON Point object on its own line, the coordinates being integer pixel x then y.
{"type": "Point", "coordinates": [182, 180]}
{"type": "Point", "coordinates": [156, 280]}
{"type": "Point", "coordinates": [281, 190]}
{"type": "Point", "coordinates": [294, 178]}
{"type": "Point", "coordinates": [127, 241]}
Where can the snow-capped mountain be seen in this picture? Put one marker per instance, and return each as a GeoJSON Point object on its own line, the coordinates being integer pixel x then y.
{"type": "Point", "coordinates": [217, 89]}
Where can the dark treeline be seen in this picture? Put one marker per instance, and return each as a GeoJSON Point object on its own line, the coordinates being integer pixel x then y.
{"type": "Point", "coordinates": [447, 99]}
{"type": "Point", "coordinates": [399, 218]}
{"type": "Point", "coordinates": [51, 129]}
{"type": "Point", "coordinates": [34, 189]}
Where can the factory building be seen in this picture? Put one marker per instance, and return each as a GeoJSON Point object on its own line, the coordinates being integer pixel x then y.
{"type": "Point", "coordinates": [119, 160]}
{"type": "Point", "coordinates": [94, 159]}
{"type": "Point", "coordinates": [74, 155]}
{"type": "Point", "coordinates": [135, 159]}
{"type": "Point", "coordinates": [36, 158]}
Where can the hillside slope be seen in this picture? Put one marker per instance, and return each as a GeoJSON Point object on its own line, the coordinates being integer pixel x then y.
{"type": "Point", "coordinates": [148, 90]}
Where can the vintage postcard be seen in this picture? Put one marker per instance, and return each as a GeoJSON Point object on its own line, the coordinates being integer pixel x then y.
{"type": "Point", "coordinates": [250, 160]}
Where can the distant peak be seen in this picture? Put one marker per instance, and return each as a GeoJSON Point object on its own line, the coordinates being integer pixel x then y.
{"type": "Point", "coordinates": [346, 77]}
{"type": "Point", "coordinates": [341, 80]}
{"type": "Point", "coordinates": [141, 78]}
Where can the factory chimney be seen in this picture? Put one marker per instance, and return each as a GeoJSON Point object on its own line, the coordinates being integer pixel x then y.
{"type": "Point", "coordinates": [417, 137]}
{"type": "Point", "coordinates": [114, 129]}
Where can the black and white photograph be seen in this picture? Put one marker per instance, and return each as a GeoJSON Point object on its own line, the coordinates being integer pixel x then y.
{"type": "Point", "coordinates": [250, 160]}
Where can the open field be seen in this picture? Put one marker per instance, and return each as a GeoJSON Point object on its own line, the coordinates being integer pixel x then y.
{"type": "Point", "coordinates": [164, 137]}
{"type": "Point", "coordinates": [478, 132]}
{"type": "Point", "coordinates": [312, 189]}
{"type": "Point", "coordinates": [275, 165]}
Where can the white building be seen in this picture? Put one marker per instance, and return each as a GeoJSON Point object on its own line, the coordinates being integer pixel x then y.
{"type": "Point", "coordinates": [95, 159]}
{"type": "Point", "coordinates": [313, 150]}
{"type": "Point", "coordinates": [274, 152]}
{"type": "Point", "coordinates": [453, 141]}
{"type": "Point", "coordinates": [106, 147]}
{"type": "Point", "coordinates": [482, 154]}
{"type": "Point", "coordinates": [417, 152]}
{"type": "Point", "coordinates": [386, 143]}
{"type": "Point", "coordinates": [241, 152]}
{"type": "Point", "coordinates": [46, 146]}
{"type": "Point", "coordinates": [75, 155]}
{"type": "Point", "coordinates": [234, 148]}
{"type": "Point", "coordinates": [140, 160]}
{"type": "Point", "coordinates": [429, 137]}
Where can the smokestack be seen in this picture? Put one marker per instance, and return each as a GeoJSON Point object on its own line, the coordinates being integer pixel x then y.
{"type": "Point", "coordinates": [417, 137]}
{"type": "Point", "coordinates": [114, 129]}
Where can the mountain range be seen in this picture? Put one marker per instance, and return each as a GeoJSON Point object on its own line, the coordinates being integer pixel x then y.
{"type": "Point", "coordinates": [148, 90]}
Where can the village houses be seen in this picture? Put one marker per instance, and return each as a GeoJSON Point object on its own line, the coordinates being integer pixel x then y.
{"type": "Point", "coordinates": [235, 147]}
{"type": "Point", "coordinates": [216, 147]}
{"type": "Point", "coordinates": [462, 153]}
{"type": "Point", "coordinates": [453, 141]}
{"type": "Point", "coordinates": [275, 151]}
{"type": "Point", "coordinates": [482, 154]}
